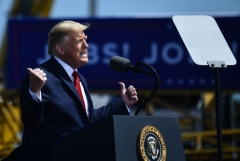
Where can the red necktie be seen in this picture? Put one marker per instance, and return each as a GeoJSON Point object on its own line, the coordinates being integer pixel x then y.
{"type": "Point", "coordinates": [77, 86]}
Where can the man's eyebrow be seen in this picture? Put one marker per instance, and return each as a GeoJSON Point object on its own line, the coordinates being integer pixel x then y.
{"type": "Point", "coordinates": [83, 37]}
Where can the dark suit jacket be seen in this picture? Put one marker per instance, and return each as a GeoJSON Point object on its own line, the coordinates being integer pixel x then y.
{"type": "Point", "coordinates": [60, 111]}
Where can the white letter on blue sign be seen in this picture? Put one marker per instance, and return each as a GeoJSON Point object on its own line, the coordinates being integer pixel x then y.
{"type": "Point", "coordinates": [46, 56]}
{"type": "Point", "coordinates": [152, 60]}
{"type": "Point", "coordinates": [93, 55]}
{"type": "Point", "coordinates": [172, 60]}
{"type": "Point", "coordinates": [109, 49]}
{"type": "Point", "coordinates": [125, 50]}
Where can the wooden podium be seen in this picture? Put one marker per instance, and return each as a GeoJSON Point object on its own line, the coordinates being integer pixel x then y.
{"type": "Point", "coordinates": [117, 138]}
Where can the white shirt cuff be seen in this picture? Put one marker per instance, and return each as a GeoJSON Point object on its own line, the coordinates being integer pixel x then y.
{"type": "Point", "coordinates": [35, 97]}
{"type": "Point", "coordinates": [127, 108]}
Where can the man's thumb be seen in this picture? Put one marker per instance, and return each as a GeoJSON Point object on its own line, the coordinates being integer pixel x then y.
{"type": "Point", "coordinates": [29, 69]}
{"type": "Point", "coordinates": [122, 85]}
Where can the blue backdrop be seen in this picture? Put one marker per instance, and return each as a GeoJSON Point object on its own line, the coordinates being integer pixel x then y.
{"type": "Point", "coordinates": [154, 41]}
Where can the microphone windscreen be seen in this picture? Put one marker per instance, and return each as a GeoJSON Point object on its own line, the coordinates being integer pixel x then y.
{"type": "Point", "coordinates": [119, 64]}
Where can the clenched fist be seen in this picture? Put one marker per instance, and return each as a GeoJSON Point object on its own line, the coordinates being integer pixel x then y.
{"type": "Point", "coordinates": [37, 78]}
{"type": "Point", "coordinates": [128, 95]}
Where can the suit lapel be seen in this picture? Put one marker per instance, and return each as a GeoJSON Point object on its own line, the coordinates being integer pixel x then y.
{"type": "Point", "coordinates": [64, 77]}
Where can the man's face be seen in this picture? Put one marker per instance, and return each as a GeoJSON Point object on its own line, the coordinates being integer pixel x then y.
{"type": "Point", "coordinates": [75, 49]}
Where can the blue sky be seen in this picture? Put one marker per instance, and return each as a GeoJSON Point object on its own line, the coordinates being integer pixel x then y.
{"type": "Point", "coordinates": [143, 8]}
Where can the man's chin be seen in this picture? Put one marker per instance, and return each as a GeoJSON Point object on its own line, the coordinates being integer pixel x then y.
{"type": "Point", "coordinates": [84, 61]}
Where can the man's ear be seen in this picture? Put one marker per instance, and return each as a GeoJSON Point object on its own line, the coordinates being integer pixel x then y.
{"type": "Point", "coordinates": [59, 49]}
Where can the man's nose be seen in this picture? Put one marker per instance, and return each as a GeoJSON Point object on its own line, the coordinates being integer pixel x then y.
{"type": "Point", "coordinates": [85, 44]}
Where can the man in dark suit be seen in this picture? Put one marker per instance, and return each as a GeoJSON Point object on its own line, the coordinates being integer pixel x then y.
{"type": "Point", "coordinates": [51, 105]}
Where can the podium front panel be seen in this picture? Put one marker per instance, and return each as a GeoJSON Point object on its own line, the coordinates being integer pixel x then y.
{"type": "Point", "coordinates": [116, 138]}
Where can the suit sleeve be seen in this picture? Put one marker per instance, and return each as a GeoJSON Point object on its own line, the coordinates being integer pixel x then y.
{"type": "Point", "coordinates": [114, 107]}
{"type": "Point", "coordinates": [32, 111]}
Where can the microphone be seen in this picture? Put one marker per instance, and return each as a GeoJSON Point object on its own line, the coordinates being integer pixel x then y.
{"type": "Point", "coordinates": [120, 64]}
{"type": "Point", "coordinates": [123, 65]}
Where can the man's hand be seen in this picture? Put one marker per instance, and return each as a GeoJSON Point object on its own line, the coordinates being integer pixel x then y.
{"type": "Point", "coordinates": [37, 79]}
{"type": "Point", "coordinates": [128, 95]}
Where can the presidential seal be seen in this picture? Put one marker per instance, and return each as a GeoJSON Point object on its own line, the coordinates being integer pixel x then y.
{"type": "Point", "coordinates": [151, 144]}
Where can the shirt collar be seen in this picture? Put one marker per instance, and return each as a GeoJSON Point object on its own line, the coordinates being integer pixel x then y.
{"type": "Point", "coordinates": [66, 67]}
